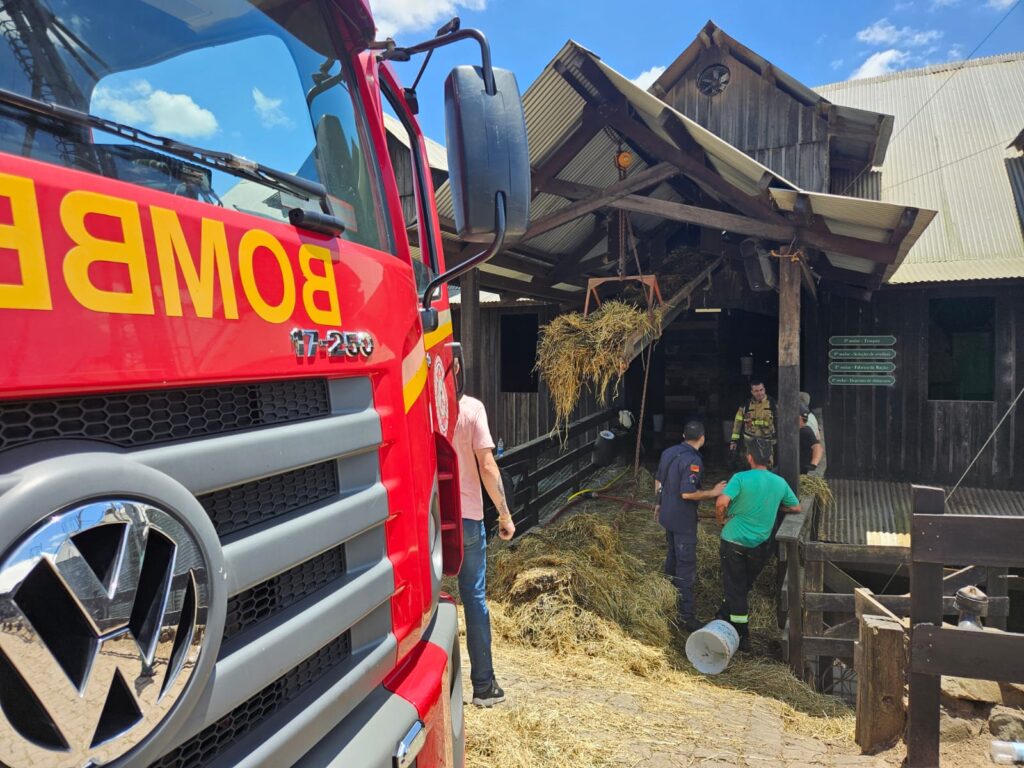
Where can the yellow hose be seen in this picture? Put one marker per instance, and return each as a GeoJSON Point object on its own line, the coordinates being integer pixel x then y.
{"type": "Point", "coordinates": [604, 487]}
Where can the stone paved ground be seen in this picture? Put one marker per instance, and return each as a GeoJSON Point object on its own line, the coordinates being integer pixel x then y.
{"type": "Point", "coordinates": [650, 725]}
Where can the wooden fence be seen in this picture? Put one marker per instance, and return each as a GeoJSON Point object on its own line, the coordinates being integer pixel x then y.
{"type": "Point", "coordinates": [937, 540]}
{"type": "Point", "coordinates": [543, 469]}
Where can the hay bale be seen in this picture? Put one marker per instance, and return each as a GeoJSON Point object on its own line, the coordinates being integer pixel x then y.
{"type": "Point", "coordinates": [574, 352]}
{"type": "Point", "coordinates": [818, 487]}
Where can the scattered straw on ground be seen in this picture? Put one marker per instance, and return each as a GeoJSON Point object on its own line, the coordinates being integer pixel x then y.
{"type": "Point", "coordinates": [585, 601]}
{"type": "Point", "coordinates": [574, 352]}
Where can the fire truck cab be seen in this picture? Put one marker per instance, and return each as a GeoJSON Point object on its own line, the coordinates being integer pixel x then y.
{"type": "Point", "coordinates": [227, 488]}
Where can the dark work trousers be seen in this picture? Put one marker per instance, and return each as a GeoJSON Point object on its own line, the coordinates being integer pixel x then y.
{"type": "Point", "coordinates": [681, 567]}
{"type": "Point", "coordinates": [740, 568]}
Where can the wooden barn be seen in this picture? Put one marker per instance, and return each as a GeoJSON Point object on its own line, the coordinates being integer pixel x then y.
{"type": "Point", "coordinates": [860, 242]}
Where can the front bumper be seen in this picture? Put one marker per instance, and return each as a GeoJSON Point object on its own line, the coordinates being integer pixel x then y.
{"type": "Point", "coordinates": [426, 690]}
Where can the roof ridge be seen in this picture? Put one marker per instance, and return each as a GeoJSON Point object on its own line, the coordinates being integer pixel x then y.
{"type": "Point", "coordinates": [930, 69]}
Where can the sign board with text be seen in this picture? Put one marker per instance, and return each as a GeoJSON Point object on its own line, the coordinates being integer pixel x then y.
{"type": "Point", "coordinates": [862, 361]}
{"type": "Point", "coordinates": [862, 341]}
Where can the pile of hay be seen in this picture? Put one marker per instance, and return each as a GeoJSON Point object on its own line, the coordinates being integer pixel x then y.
{"type": "Point", "coordinates": [574, 352]}
{"type": "Point", "coordinates": [576, 587]}
{"type": "Point", "coordinates": [592, 586]}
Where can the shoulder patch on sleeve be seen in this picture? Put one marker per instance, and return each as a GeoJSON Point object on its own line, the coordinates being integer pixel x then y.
{"type": "Point", "coordinates": [695, 467]}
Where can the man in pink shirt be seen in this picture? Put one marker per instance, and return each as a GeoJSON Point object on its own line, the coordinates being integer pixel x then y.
{"type": "Point", "coordinates": [473, 445]}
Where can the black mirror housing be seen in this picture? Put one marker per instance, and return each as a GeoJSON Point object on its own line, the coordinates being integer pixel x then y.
{"type": "Point", "coordinates": [487, 153]}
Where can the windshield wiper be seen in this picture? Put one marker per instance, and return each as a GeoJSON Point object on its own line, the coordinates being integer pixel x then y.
{"type": "Point", "coordinates": [220, 161]}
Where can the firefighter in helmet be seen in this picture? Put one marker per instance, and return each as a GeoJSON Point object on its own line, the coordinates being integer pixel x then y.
{"type": "Point", "coordinates": [755, 420]}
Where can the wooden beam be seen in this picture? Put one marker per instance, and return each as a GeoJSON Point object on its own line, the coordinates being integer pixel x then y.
{"type": "Point", "coordinates": [906, 223]}
{"type": "Point", "coordinates": [989, 540]}
{"type": "Point", "coordinates": [649, 177]}
{"type": "Point", "coordinates": [866, 603]}
{"type": "Point", "coordinates": [879, 661]}
{"type": "Point", "coordinates": [529, 289]}
{"type": "Point", "coordinates": [787, 430]}
{"type": "Point", "coordinates": [706, 217]}
{"type": "Point", "coordinates": [988, 655]}
{"type": "Point", "coordinates": [925, 609]}
{"type": "Point", "coordinates": [568, 265]}
{"type": "Point", "coordinates": [856, 553]}
{"type": "Point", "coordinates": [897, 605]}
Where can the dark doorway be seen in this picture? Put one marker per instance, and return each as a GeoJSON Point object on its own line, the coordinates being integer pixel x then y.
{"type": "Point", "coordinates": [518, 352]}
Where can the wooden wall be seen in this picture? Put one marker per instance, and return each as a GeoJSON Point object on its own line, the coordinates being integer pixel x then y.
{"type": "Point", "coordinates": [515, 417]}
{"type": "Point", "coordinates": [898, 433]}
{"type": "Point", "coordinates": [755, 116]}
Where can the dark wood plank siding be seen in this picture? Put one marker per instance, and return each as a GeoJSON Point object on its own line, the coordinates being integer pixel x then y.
{"type": "Point", "coordinates": [755, 116]}
{"type": "Point", "coordinates": [515, 417]}
{"type": "Point", "coordinates": [897, 433]}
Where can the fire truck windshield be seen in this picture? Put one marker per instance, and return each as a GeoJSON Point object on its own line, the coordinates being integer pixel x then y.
{"type": "Point", "coordinates": [261, 80]}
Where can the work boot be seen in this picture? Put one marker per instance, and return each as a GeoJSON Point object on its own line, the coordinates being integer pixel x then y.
{"type": "Point", "coordinates": [745, 643]}
{"type": "Point", "coordinates": [489, 695]}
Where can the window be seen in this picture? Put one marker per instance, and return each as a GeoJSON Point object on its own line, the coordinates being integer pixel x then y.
{"type": "Point", "coordinates": [518, 352]}
{"type": "Point", "coordinates": [961, 349]}
{"type": "Point", "coordinates": [411, 176]}
{"type": "Point", "coordinates": [258, 80]}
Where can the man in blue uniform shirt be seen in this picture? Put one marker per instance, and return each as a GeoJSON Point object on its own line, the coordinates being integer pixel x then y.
{"type": "Point", "coordinates": [677, 485]}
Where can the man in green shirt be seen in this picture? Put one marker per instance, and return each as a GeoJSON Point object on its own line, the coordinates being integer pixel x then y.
{"type": "Point", "coordinates": [751, 502]}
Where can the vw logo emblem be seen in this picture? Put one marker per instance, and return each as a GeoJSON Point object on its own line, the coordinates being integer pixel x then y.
{"type": "Point", "coordinates": [103, 611]}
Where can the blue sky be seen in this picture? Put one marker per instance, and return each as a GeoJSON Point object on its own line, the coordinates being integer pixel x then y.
{"type": "Point", "coordinates": [244, 96]}
{"type": "Point", "coordinates": [816, 41]}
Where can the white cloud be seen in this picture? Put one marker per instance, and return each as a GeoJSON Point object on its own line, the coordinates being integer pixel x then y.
{"type": "Point", "coordinates": [269, 111]}
{"type": "Point", "coordinates": [157, 110]}
{"type": "Point", "coordinates": [901, 6]}
{"type": "Point", "coordinates": [881, 63]}
{"type": "Point", "coordinates": [879, 33]}
{"type": "Point", "coordinates": [956, 51]}
{"type": "Point", "coordinates": [936, 4]}
{"type": "Point", "coordinates": [883, 32]}
{"type": "Point", "coordinates": [397, 16]}
{"type": "Point", "coordinates": [646, 78]}
{"type": "Point", "coordinates": [1000, 5]}
{"type": "Point", "coordinates": [836, 63]}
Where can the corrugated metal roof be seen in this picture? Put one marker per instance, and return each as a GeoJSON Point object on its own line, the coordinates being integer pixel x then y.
{"type": "Point", "coordinates": [950, 157]}
{"type": "Point", "coordinates": [866, 509]}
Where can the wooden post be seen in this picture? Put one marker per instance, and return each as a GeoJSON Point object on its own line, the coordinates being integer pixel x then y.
{"type": "Point", "coordinates": [813, 672]}
{"type": "Point", "coordinates": [471, 336]}
{"type": "Point", "coordinates": [787, 430]}
{"type": "Point", "coordinates": [925, 609]}
{"type": "Point", "coordinates": [996, 586]}
{"type": "Point", "coordinates": [795, 608]}
{"type": "Point", "coordinates": [880, 669]}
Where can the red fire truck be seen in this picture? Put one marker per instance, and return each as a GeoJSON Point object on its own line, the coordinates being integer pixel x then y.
{"type": "Point", "coordinates": [227, 488]}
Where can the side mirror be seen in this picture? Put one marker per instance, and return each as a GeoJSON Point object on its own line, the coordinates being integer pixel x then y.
{"type": "Point", "coordinates": [488, 154]}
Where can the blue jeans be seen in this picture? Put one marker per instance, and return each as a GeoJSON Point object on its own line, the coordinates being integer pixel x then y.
{"type": "Point", "coordinates": [473, 591]}
{"type": "Point", "coordinates": [681, 567]}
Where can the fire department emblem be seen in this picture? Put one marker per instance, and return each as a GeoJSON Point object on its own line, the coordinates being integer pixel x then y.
{"type": "Point", "coordinates": [440, 396]}
{"type": "Point", "coordinates": [103, 611]}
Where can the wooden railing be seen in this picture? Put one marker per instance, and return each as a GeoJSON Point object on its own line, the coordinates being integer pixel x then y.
{"type": "Point", "coordinates": [533, 464]}
{"type": "Point", "coordinates": [938, 539]}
